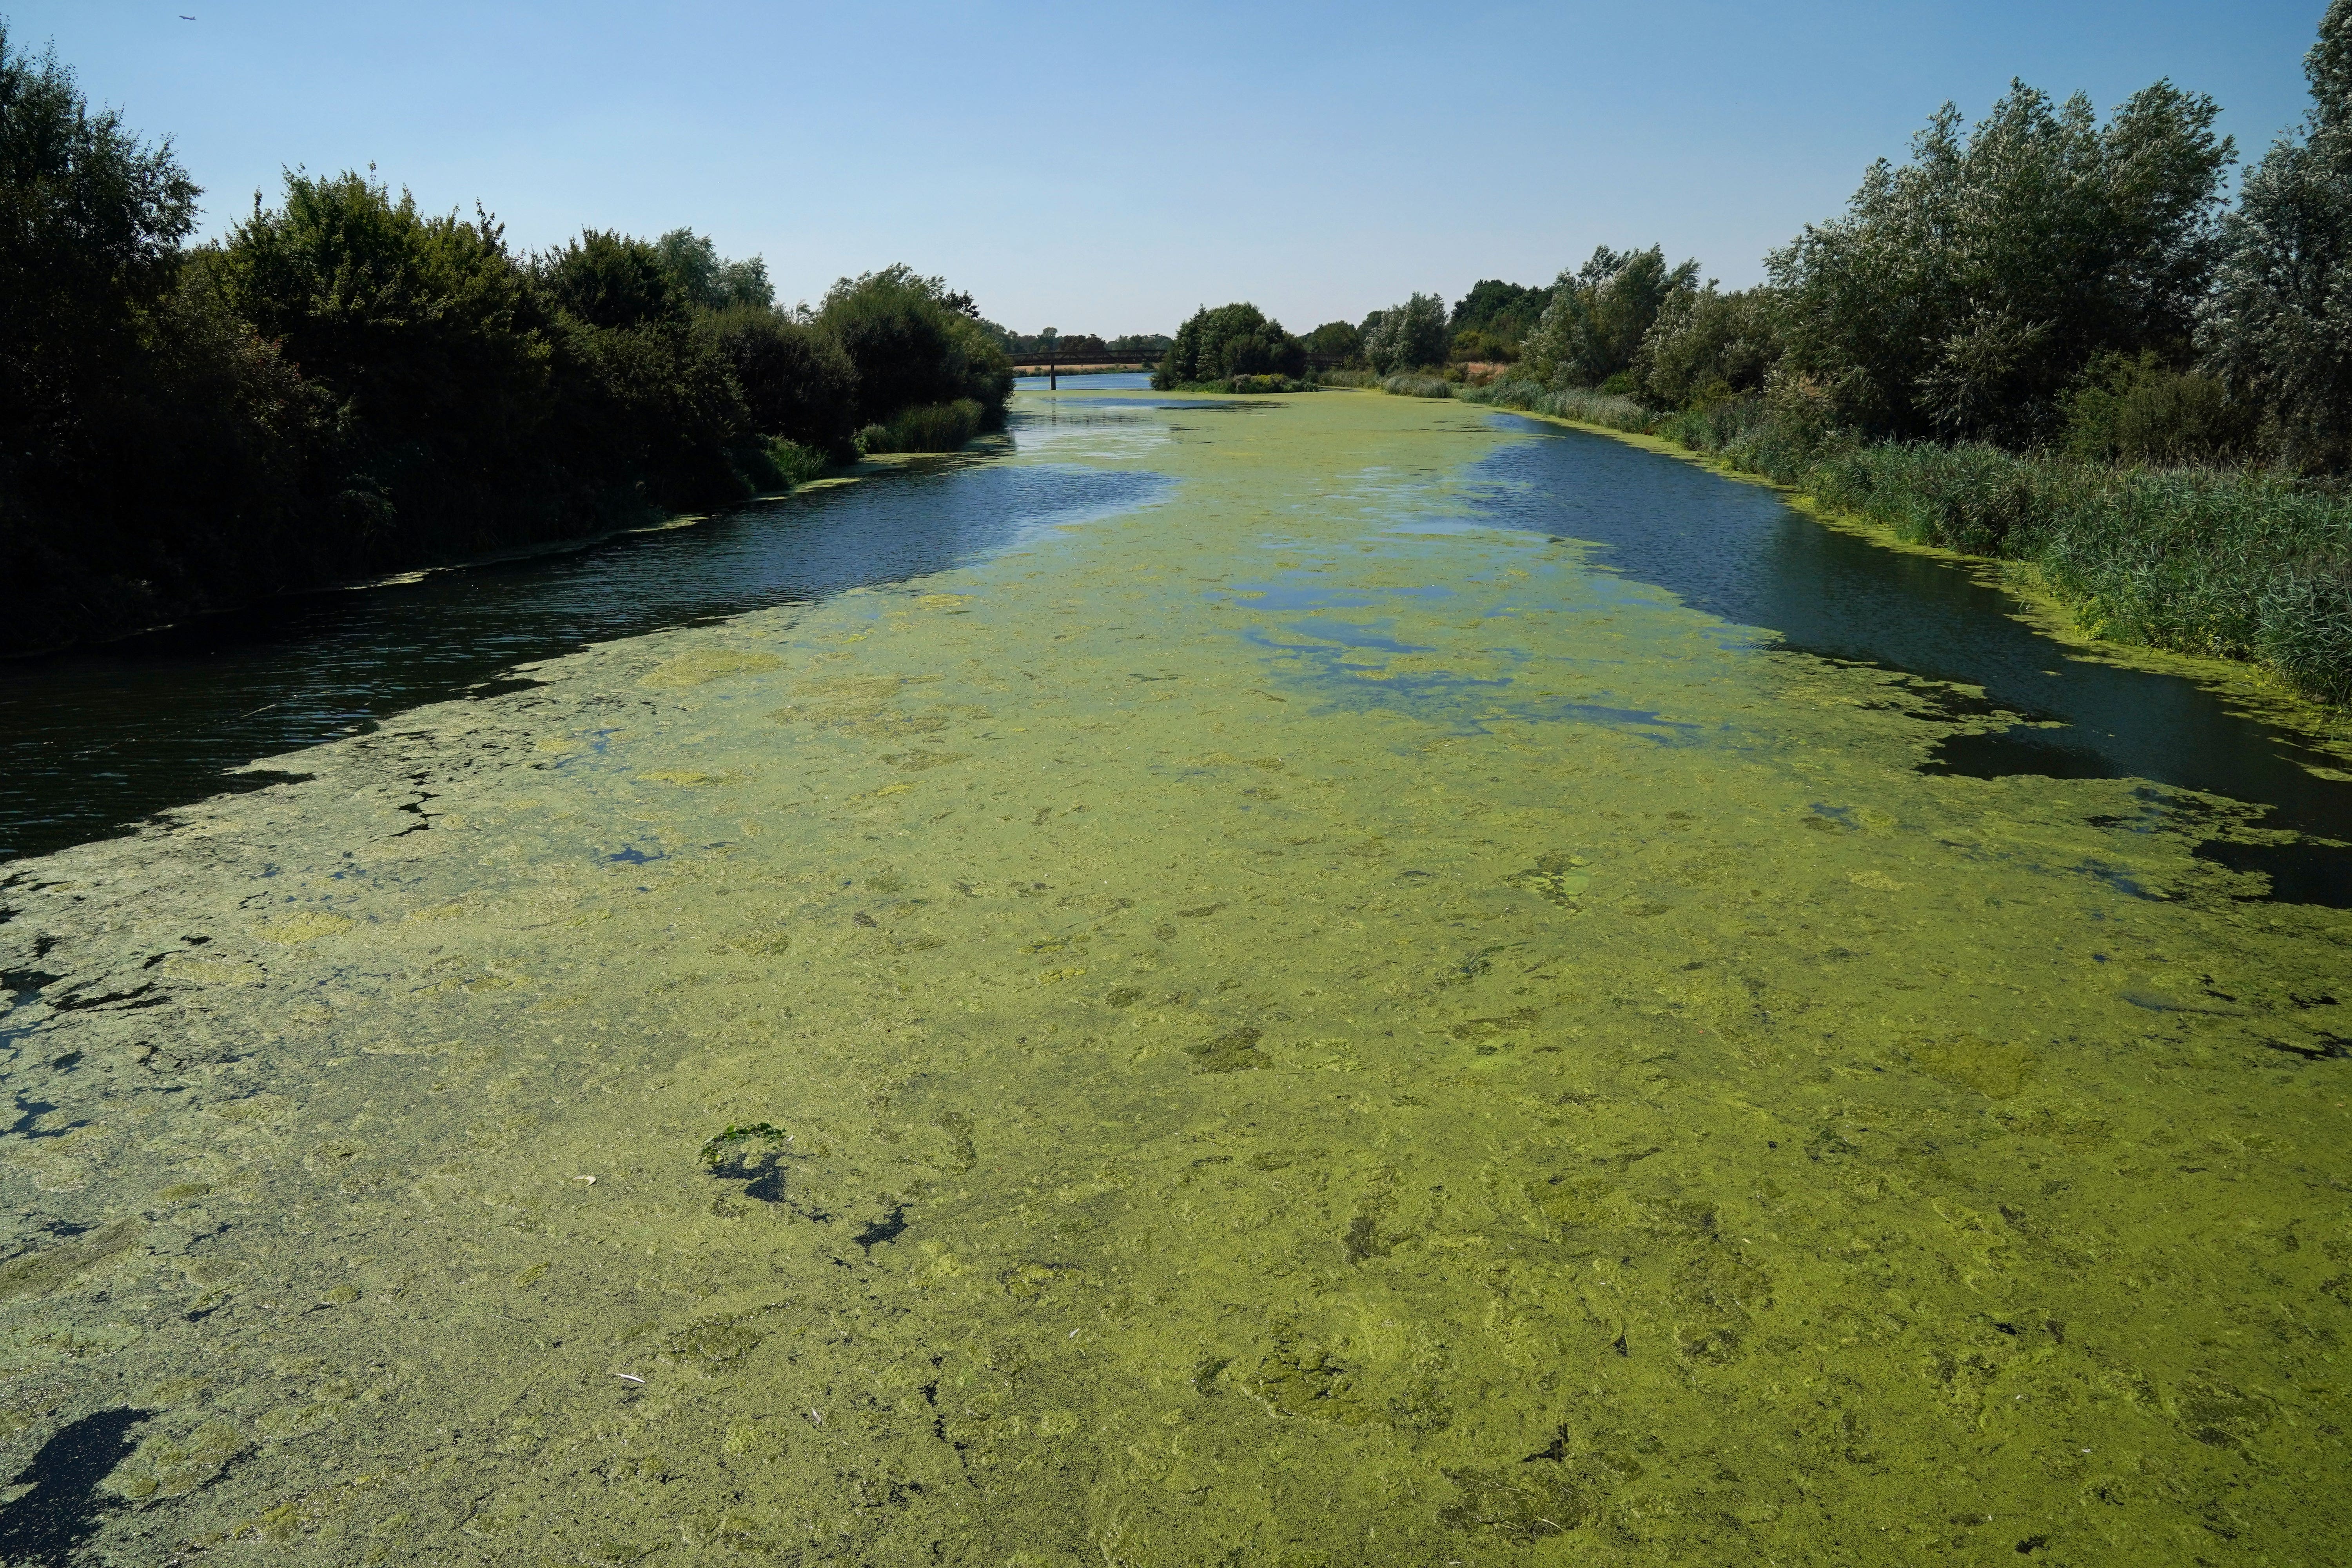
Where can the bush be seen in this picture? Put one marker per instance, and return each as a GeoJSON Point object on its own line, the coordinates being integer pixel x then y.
{"type": "Point", "coordinates": [929, 427]}
{"type": "Point", "coordinates": [913, 343]}
{"type": "Point", "coordinates": [784, 464]}
{"type": "Point", "coordinates": [796, 381]}
{"type": "Point", "coordinates": [1706, 346]}
{"type": "Point", "coordinates": [2231, 566]}
{"type": "Point", "coordinates": [2142, 410]}
{"type": "Point", "coordinates": [1417, 386]}
{"type": "Point", "coordinates": [1347, 378]}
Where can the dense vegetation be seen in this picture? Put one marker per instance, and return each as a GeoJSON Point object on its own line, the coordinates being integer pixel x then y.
{"type": "Point", "coordinates": [2047, 337]}
{"type": "Point", "coordinates": [1077, 348]}
{"type": "Point", "coordinates": [1230, 344]}
{"type": "Point", "coordinates": [344, 383]}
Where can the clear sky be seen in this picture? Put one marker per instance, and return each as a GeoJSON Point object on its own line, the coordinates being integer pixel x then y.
{"type": "Point", "coordinates": [1109, 166]}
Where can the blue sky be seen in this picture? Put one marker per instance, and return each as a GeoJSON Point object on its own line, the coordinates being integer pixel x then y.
{"type": "Point", "coordinates": [1109, 166]}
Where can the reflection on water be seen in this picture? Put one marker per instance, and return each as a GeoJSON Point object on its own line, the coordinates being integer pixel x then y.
{"type": "Point", "coordinates": [94, 740]}
{"type": "Point", "coordinates": [1111, 381]}
{"type": "Point", "coordinates": [1739, 552]}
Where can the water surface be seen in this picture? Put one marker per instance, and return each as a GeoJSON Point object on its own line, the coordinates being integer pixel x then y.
{"type": "Point", "coordinates": [94, 740]}
{"type": "Point", "coordinates": [1325, 1019]}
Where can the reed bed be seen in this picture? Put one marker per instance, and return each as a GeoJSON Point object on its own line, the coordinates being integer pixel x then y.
{"type": "Point", "coordinates": [2225, 563]}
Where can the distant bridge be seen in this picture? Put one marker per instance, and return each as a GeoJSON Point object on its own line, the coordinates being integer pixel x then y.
{"type": "Point", "coordinates": [1060, 363]}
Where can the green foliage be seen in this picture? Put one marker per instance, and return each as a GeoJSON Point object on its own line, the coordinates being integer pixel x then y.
{"type": "Point", "coordinates": [2142, 410]}
{"type": "Point", "coordinates": [1582, 404]}
{"type": "Point", "coordinates": [927, 428]}
{"type": "Point", "coordinates": [1230, 341]}
{"type": "Point", "coordinates": [344, 383]}
{"type": "Point", "coordinates": [609, 279]}
{"type": "Point", "coordinates": [1408, 337]}
{"type": "Point", "coordinates": [704, 278]}
{"type": "Point", "coordinates": [91, 222]}
{"type": "Point", "coordinates": [1706, 345]}
{"type": "Point", "coordinates": [1477, 345]}
{"type": "Point", "coordinates": [1347, 378]}
{"type": "Point", "coordinates": [1502, 313]}
{"type": "Point", "coordinates": [784, 464]}
{"type": "Point", "coordinates": [1598, 316]}
{"type": "Point", "coordinates": [2224, 564]}
{"type": "Point", "coordinates": [1408, 384]}
{"type": "Point", "coordinates": [2230, 565]}
{"type": "Point", "coordinates": [1337, 342]}
{"type": "Point", "coordinates": [420, 328]}
{"type": "Point", "coordinates": [797, 382]}
{"type": "Point", "coordinates": [1961, 293]}
{"type": "Point", "coordinates": [914, 342]}
{"type": "Point", "coordinates": [2277, 329]}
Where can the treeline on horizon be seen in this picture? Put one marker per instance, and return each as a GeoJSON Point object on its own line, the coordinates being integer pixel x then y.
{"type": "Point", "coordinates": [1076, 348]}
{"type": "Point", "coordinates": [343, 383]}
{"type": "Point", "coordinates": [2046, 336]}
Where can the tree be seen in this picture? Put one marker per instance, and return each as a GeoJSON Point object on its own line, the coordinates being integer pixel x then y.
{"type": "Point", "coordinates": [610, 279]}
{"type": "Point", "coordinates": [914, 342]}
{"type": "Point", "coordinates": [1232, 340]}
{"type": "Point", "coordinates": [1408, 336]}
{"type": "Point", "coordinates": [796, 381]}
{"type": "Point", "coordinates": [1962, 292]}
{"type": "Point", "coordinates": [1708, 344]}
{"type": "Point", "coordinates": [1504, 312]}
{"type": "Point", "coordinates": [422, 330]}
{"type": "Point", "coordinates": [90, 224]}
{"type": "Point", "coordinates": [1599, 314]}
{"type": "Point", "coordinates": [1337, 342]}
{"type": "Point", "coordinates": [705, 278]}
{"type": "Point", "coordinates": [2277, 330]}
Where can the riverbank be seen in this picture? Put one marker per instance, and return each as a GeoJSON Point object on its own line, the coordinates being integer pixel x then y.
{"type": "Point", "coordinates": [2208, 563]}
{"type": "Point", "coordinates": [1289, 1015]}
{"type": "Point", "coordinates": [344, 386]}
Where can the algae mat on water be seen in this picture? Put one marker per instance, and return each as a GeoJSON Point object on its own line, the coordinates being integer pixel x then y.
{"type": "Point", "coordinates": [1284, 1027]}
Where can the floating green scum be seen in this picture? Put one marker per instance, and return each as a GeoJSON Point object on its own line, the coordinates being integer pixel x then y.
{"type": "Point", "coordinates": [1077, 1060]}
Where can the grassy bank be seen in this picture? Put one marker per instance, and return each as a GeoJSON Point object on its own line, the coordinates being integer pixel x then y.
{"type": "Point", "coordinates": [2227, 563]}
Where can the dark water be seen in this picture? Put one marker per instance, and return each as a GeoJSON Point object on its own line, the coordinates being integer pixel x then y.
{"type": "Point", "coordinates": [1739, 552]}
{"type": "Point", "coordinates": [93, 741]}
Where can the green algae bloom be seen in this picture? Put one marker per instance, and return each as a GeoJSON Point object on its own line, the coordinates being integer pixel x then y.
{"type": "Point", "coordinates": [1285, 1027]}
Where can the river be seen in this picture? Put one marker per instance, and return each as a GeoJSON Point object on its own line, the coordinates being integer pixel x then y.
{"type": "Point", "coordinates": [1318, 981]}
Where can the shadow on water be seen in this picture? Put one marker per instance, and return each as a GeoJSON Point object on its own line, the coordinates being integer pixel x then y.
{"type": "Point", "coordinates": [94, 740]}
{"type": "Point", "coordinates": [1739, 552]}
{"type": "Point", "coordinates": [47, 1524]}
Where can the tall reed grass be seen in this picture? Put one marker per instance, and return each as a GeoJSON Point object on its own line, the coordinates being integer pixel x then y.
{"type": "Point", "coordinates": [2224, 563]}
{"type": "Point", "coordinates": [1407, 385]}
{"type": "Point", "coordinates": [791, 464]}
{"type": "Point", "coordinates": [926, 428]}
{"type": "Point", "coordinates": [1579, 404]}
